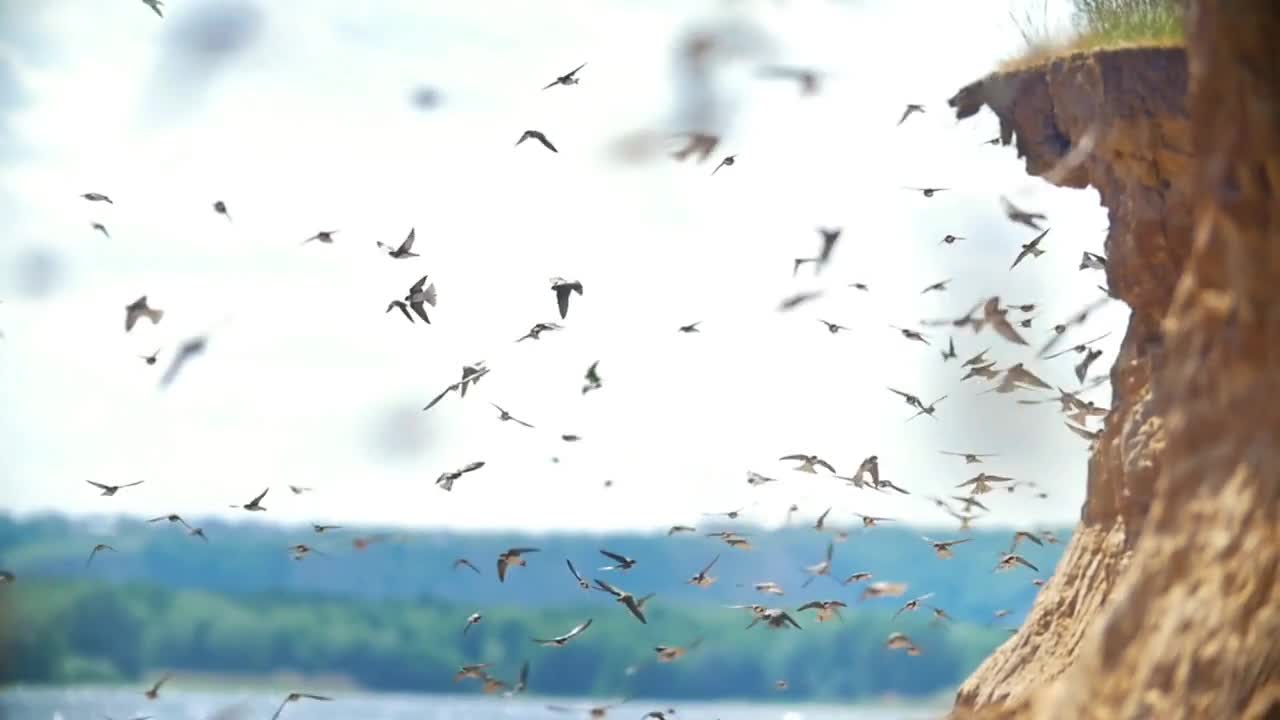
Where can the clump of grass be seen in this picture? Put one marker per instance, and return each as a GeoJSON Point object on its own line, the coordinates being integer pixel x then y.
{"type": "Point", "coordinates": [1098, 25]}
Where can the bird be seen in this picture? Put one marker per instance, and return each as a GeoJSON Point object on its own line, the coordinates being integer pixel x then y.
{"type": "Point", "coordinates": [522, 680]}
{"type": "Point", "coordinates": [911, 334]}
{"type": "Point", "coordinates": [172, 517]}
{"type": "Point", "coordinates": [775, 618]}
{"type": "Point", "coordinates": [822, 568]}
{"type": "Point", "coordinates": [994, 316]}
{"type": "Point", "coordinates": [981, 483]}
{"type": "Point", "coordinates": [680, 528]}
{"type": "Point", "coordinates": [322, 529]}
{"type": "Point", "coordinates": [155, 6]}
{"type": "Point", "coordinates": [140, 309]}
{"type": "Point", "coordinates": [832, 328]}
{"type": "Point", "coordinates": [822, 519]}
{"type": "Point", "coordinates": [1032, 249]}
{"type": "Point", "coordinates": [221, 208]}
{"type": "Point", "coordinates": [101, 228]}
{"type": "Point", "coordinates": [300, 551]}
{"type": "Point", "coordinates": [969, 458]}
{"type": "Point", "coordinates": [1022, 217]}
{"type": "Point", "coordinates": [505, 416]}
{"type": "Point", "coordinates": [769, 588]}
{"type": "Point", "coordinates": [808, 463]}
{"type": "Point", "coordinates": [97, 549]}
{"type": "Point", "coordinates": [871, 521]}
{"type": "Point", "coordinates": [1093, 261]}
{"type": "Point", "coordinates": [471, 374]}
{"type": "Point", "coordinates": [871, 467]}
{"type": "Point", "coordinates": [324, 236]}
{"type": "Point", "coordinates": [97, 197]}
{"type": "Point", "coordinates": [298, 489]}
{"type": "Point", "coordinates": [594, 711]}
{"type": "Point", "coordinates": [826, 609]}
{"type": "Point", "coordinates": [942, 548]}
{"type": "Point", "coordinates": [882, 588]}
{"type": "Point", "coordinates": [470, 671]}
{"type": "Point", "coordinates": [540, 137]}
{"type": "Point", "coordinates": [536, 331]}
{"type": "Point", "coordinates": [562, 288]}
{"type": "Point", "coordinates": [728, 161]}
{"type": "Point", "coordinates": [1025, 322]}
{"type": "Point", "coordinates": [899, 641]}
{"type": "Point", "coordinates": [927, 191]}
{"type": "Point", "coordinates": [154, 691]}
{"type": "Point", "coordinates": [593, 379]}
{"type": "Point", "coordinates": [755, 479]}
{"type": "Point", "coordinates": [1080, 349]}
{"type": "Point", "coordinates": [198, 532]}
{"type": "Point", "coordinates": [690, 328]}
{"type": "Point", "coordinates": [672, 653]}
{"type": "Point", "coordinates": [1082, 368]}
{"type": "Point", "coordinates": [702, 579]}
{"type": "Point", "coordinates": [446, 479]}
{"type": "Point", "coordinates": [1022, 376]}
{"type": "Point", "coordinates": [808, 79]}
{"type": "Point", "coordinates": [624, 598]}
{"type": "Point", "coordinates": [829, 238]}
{"type": "Point", "coordinates": [699, 143]}
{"type": "Point", "coordinates": [624, 563]}
{"type": "Point", "coordinates": [1009, 560]}
{"type": "Point", "coordinates": [860, 286]}
{"type": "Point", "coordinates": [295, 697]}
{"type": "Point", "coordinates": [794, 301]}
{"type": "Point", "coordinates": [109, 490]}
{"type": "Point", "coordinates": [987, 371]}
{"type": "Point", "coordinates": [255, 504]}
{"type": "Point", "coordinates": [420, 295]}
{"type": "Point", "coordinates": [911, 108]}
{"type": "Point", "coordinates": [463, 562]}
{"type": "Point", "coordinates": [569, 78]}
{"type": "Point", "coordinates": [512, 557]}
{"type": "Point", "coordinates": [912, 604]}
{"type": "Point", "coordinates": [152, 358]}
{"type": "Point", "coordinates": [797, 263]}
{"type": "Point", "coordinates": [950, 352]}
{"type": "Point", "coordinates": [404, 250]}
{"type": "Point", "coordinates": [582, 583]}
{"type": "Point", "coordinates": [949, 239]}
{"type": "Point", "coordinates": [1021, 535]}
{"type": "Point", "coordinates": [472, 619]}
{"type": "Point", "coordinates": [912, 400]}
{"type": "Point", "coordinates": [979, 359]}
{"type": "Point", "coordinates": [927, 409]}
{"type": "Point", "coordinates": [189, 349]}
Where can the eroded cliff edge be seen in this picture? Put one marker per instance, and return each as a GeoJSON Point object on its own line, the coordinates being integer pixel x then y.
{"type": "Point", "coordinates": [1166, 603]}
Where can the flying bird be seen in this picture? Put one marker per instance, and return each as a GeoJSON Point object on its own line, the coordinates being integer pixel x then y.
{"type": "Point", "coordinates": [829, 238]}
{"type": "Point", "coordinates": [1022, 217]}
{"type": "Point", "coordinates": [911, 334]}
{"type": "Point", "coordinates": [562, 289]}
{"type": "Point", "coordinates": [832, 328]}
{"type": "Point", "coordinates": [1093, 261]}
{"type": "Point", "coordinates": [927, 409]}
{"type": "Point", "coordinates": [593, 379]}
{"type": "Point", "coordinates": [702, 579]}
{"type": "Point", "coordinates": [794, 301]}
{"type": "Point", "coordinates": [942, 548]}
{"type": "Point", "coordinates": [510, 558]}
{"type": "Point", "coordinates": [938, 287]}
{"type": "Point", "coordinates": [950, 352]}
{"type": "Point", "coordinates": [405, 249]}
{"type": "Point", "coordinates": [728, 161]}
{"type": "Point", "coordinates": [472, 619]}
{"type": "Point", "coordinates": [927, 191]}
{"type": "Point", "coordinates": [582, 583]}
{"type": "Point", "coordinates": [912, 400]}
{"type": "Point", "coordinates": [808, 463]}
{"type": "Point", "coordinates": [109, 490]}
{"type": "Point", "coordinates": [690, 328]}
{"type": "Point", "coordinates": [911, 108]}
{"type": "Point", "coordinates": [537, 135]}
{"type": "Point", "coordinates": [672, 653]}
{"type": "Point", "coordinates": [625, 598]}
{"type": "Point", "coordinates": [995, 317]}
{"type": "Point", "coordinates": [295, 697]}
{"type": "Point", "coordinates": [154, 691]}
{"type": "Point", "coordinates": [536, 331]}
{"type": "Point", "coordinates": [155, 6]}
{"type": "Point", "coordinates": [102, 229]}
{"type": "Point", "coordinates": [172, 517]}
{"type": "Point", "coordinates": [808, 79]}
{"type": "Point", "coordinates": [97, 197]}
{"type": "Point", "coordinates": [1082, 368]}
{"type": "Point", "coordinates": [322, 529]}
{"type": "Point", "coordinates": [1009, 560]}
{"type": "Point", "coordinates": [775, 618]}
{"type": "Point", "coordinates": [969, 458]}
{"type": "Point", "coordinates": [463, 562]}
{"type": "Point", "coordinates": [298, 489]}
{"type": "Point", "coordinates": [949, 239]}
{"type": "Point", "coordinates": [981, 483]}
{"type": "Point", "coordinates": [1080, 349]}
{"type": "Point", "coordinates": [826, 609]}
{"type": "Point", "coordinates": [221, 208]}
{"type": "Point", "coordinates": [140, 309]}
{"type": "Point", "coordinates": [504, 416]}
{"type": "Point", "coordinates": [446, 479]}
{"type": "Point", "coordinates": [870, 521]}
{"type": "Point", "coordinates": [255, 504]}
{"type": "Point", "coordinates": [755, 479]}
{"type": "Point", "coordinates": [569, 78]}
{"type": "Point", "coordinates": [97, 549]}
{"type": "Point", "coordinates": [822, 568]}
{"type": "Point", "coordinates": [420, 295]}
{"type": "Point", "coordinates": [912, 604]}
{"type": "Point", "coordinates": [324, 236]}
{"type": "Point", "coordinates": [1032, 248]}
{"type": "Point", "coordinates": [624, 563]}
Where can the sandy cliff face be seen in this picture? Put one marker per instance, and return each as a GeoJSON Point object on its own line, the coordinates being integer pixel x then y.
{"type": "Point", "coordinates": [1166, 603]}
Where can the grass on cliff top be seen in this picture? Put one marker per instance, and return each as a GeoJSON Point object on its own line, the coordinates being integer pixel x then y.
{"type": "Point", "coordinates": [1097, 25]}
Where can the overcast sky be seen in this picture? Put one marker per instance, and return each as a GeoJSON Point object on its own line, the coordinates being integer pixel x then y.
{"type": "Point", "coordinates": [297, 116]}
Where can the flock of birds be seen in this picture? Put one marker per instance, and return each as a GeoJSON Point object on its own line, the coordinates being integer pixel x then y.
{"type": "Point", "coordinates": [1007, 322]}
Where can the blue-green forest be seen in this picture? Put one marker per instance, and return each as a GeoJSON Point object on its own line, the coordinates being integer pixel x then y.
{"type": "Point", "coordinates": [390, 616]}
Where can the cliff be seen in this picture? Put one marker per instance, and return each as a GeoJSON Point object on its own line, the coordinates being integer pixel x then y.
{"type": "Point", "coordinates": [1166, 603]}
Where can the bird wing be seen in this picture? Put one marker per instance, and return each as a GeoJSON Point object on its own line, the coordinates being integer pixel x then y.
{"type": "Point", "coordinates": [631, 604]}
{"type": "Point", "coordinates": [562, 299]}
{"type": "Point", "coordinates": [420, 310]}
{"type": "Point", "coordinates": [276, 715]}
{"type": "Point", "coordinates": [573, 570]}
{"type": "Point", "coordinates": [100, 486]}
{"type": "Point", "coordinates": [502, 568]}
{"type": "Point", "coordinates": [523, 550]}
{"type": "Point", "coordinates": [824, 464]}
{"type": "Point", "coordinates": [260, 496]}
{"type": "Point", "coordinates": [709, 565]}
{"type": "Point", "coordinates": [439, 397]}
{"type": "Point", "coordinates": [545, 142]}
{"type": "Point", "coordinates": [799, 457]}
{"type": "Point", "coordinates": [407, 245]}
{"type": "Point", "coordinates": [615, 557]}
{"type": "Point", "coordinates": [576, 631]}
{"type": "Point", "coordinates": [608, 588]}
{"type": "Point", "coordinates": [812, 605]}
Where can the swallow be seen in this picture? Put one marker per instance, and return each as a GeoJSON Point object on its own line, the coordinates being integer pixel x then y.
{"type": "Point", "coordinates": [936, 287]}
{"type": "Point", "coordinates": [446, 479]}
{"type": "Point", "coordinates": [562, 289]}
{"type": "Point", "coordinates": [942, 548]}
{"type": "Point", "coordinates": [926, 191]}
{"type": "Point", "coordinates": [97, 549]}
{"type": "Point", "coordinates": [402, 306]}
{"type": "Point", "coordinates": [829, 238]}
{"type": "Point", "coordinates": [97, 197]}
{"type": "Point", "coordinates": [1093, 261]}
{"type": "Point", "coordinates": [472, 619]}
{"type": "Point", "coordinates": [911, 334]}
{"type": "Point", "coordinates": [522, 680]}
{"type": "Point", "coordinates": [929, 409]}
{"type": "Point", "coordinates": [912, 400]}
{"type": "Point", "coordinates": [109, 490]}
{"type": "Point", "coordinates": [155, 6]}
{"type": "Point", "coordinates": [492, 684]}
{"type": "Point", "coordinates": [1022, 376]}
{"type": "Point", "coordinates": [755, 479]}
{"type": "Point", "coordinates": [300, 551]}
{"type": "Point", "coordinates": [1082, 368]}
{"type": "Point", "coordinates": [140, 309]}
{"type": "Point", "coordinates": [680, 528]}
{"type": "Point", "coordinates": [672, 653]}
{"type": "Point", "coordinates": [624, 563]}
{"type": "Point", "coordinates": [981, 483]}
{"type": "Point", "coordinates": [625, 598]}
{"type": "Point", "coordinates": [801, 262]}
{"type": "Point", "coordinates": [420, 295]}
{"type": "Point", "coordinates": [994, 316]}
{"type": "Point", "coordinates": [570, 438]}
{"type": "Point", "coordinates": [979, 359]}
{"type": "Point", "coordinates": [512, 557]}
{"type": "Point", "coordinates": [298, 489]}
{"type": "Point", "coordinates": [1025, 322]}
{"type": "Point", "coordinates": [473, 377]}
{"type": "Point", "coordinates": [899, 641]}
{"type": "Point", "coordinates": [1030, 249]}
{"type": "Point", "coordinates": [324, 236]}
{"type": "Point", "coordinates": [463, 562]}
{"type": "Point", "coordinates": [569, 78]}
{"type": "Point", "coordinates": [255, 504]}
{"type": "Point", "coordinates": [322, 529]}
{"type": "Point", "coordinates": [769, 588]}
{"type": "Point", "coordinates": [889, 484]}
{"type": "Point", "coordinates": [882, 588]}
{"type": "Point", "coordinates": [822, 519]}
{"type": "Point", "coordinates": [702, 579]}
{"type": "Point", "coordinates": [405, 249]}
{"type": "Point", "coordinates": [471, 671]}
{"type": "Point", "coordinates": [221, 208]}
{"type": "Point", "coordinates": [1091, 436]}
{"type": "Point", "coordinates": [794, 301]}
{"type": "Point", "coordinates": [1021, 535]}
{"type": "Point", "coordinates": [911, 108]}
{"type": "Point", "coordinates": [870, 521]}
{"type": "Point", "coordinates": [172, 517]}
{"type": "Point", "coordinates": [537, 135]}
{"type": "Point", "coordinates": [988, 372]}
{"type": "Point", "coordinates": [1078, 318]}
{"type": "Point", "coordinates": [295, 697]}
{"type": "Point", "coordinates": [832, 328]}
{"type": "Point", "coordinates": [871, 467]}
{"type": "Point", "coordinates": [504, 416]}
{"type": "Point", "coordinates": [826, 609]}
{"type": "Point", "coordinates": [949, 239]}
{"type": "Point", "coordinates": [950, 352]}
{"type": "Point", "coordinates": [736, 541]}
{"type": "Point", "coordinates": [582, 583]}
{"type": "Point", "coordinates": [595, 711]}
{"type": "Point", "coordinates": [698, 143]}
{"type": "Point", "coordinates": [1080, 349]}
{"type": "Point", "coordinates": [808, 463]}
{"type": "Point", "coordinates": [775, 618]}
{"type": "Point", "coordinates": [154, 691]}
{"type": "Point", "coordinates": [728, 161]}
{"type": "Point", "coordinates": [198, 532]}
{"type": "Point", "coordinates": [860, 286]}
{"type": "Point", "coordinates": [912, 604]}
{"type": "Point", "coordinates": [536, 331]}
{"type": "Point", "coordinates": [808, 79]}
{"type": "Point", "coordinates": [1081, 414]}
{"type": "Point", "coordinates": [970, 458]}
{"type": "Point", "coordinates": [101, 228]}
{"type": "Point", "coordinates": [690, 328]}
{"type": "Point", "coordinates": [1009, 560]}
{"type": "Point", "coordinates": [1022, 217]}
{"type": "Point", "coordinates": [822, 568]}
{"type": "Point", "coordinates": [593, 379]}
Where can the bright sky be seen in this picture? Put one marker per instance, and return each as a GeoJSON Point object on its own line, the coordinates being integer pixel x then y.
{"type": "Point", "coordinates": [306, 381]}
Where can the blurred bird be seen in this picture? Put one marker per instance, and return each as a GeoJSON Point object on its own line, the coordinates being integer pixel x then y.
{"type": "Point", "coordinates": [832, 328]}
{"type": "Point", "coordinates": [929, 409]}
{"type": "Point", "coordinates": [624, 563]}
{"type": "Point", "coordinates": [808, 463]}
{"type": "Point", "coordinates": [582, 583]}
{"type": "Point", "coordinates": [97, 549]}
{"type": "Point", "coordinates": [1093, 261]}
{"type": "Point", "coordinates": [702, 579]}
{"type": "Point", "coordinates": [942, 548]}
{"type": "Point", "coordinates": [1082, 368]}
{"type": "Point", "coordinates": [936, 287]}
{"type": "Point", "coordinates": [512, 558]}
{"type": "Point", "coordinates": [140, 309]}
{"type": "Point", "coordinates": [882, 588]}
{"type": "Point", "coordinates": [446, 479]}
{"type": "Point", "coordinates": [912, 400]}
{"type": "Point", "coordinates": [1009, 560]}
{"type": "Point", "coordinates": [826, 609]}
{"type": "Point", "coordinates": [109, 490]}
{"type": "Point", "coordinates": [295, 697]}
{"type": "Point", "coordinates": [1018, 215]}
{"type": "Point", "coordinates": [981, 483]}
{"type": "Point", "coordinates": [404, 250]}
{"type": "Point", "coordinates": [154, 691]}
{"type": "Point", "coordinates": [728, 161]}
{"type": "Point", "coordinates": [912, 604]}
{"type": "Point", "coordinates": [102, 229]}
{"type": "Point", "coordinates": [829, 238]}
{"type": "Point", "coordinates": [899, 641]}
{"type": "Point", "coordinates": [221, 208]}
{"type": "Point", "coordinates": [97, 197]}
{"type": "Point", "coordinates": [187, 350]}
{"type": "Point", "coordinates": [463, 562]}
{"type": "Point", "coordinates": [472, 619]}
{"type": "Point", "coordinates": [504, 416]}
{"type": "Point", "coordinates": [994, 316]}
{"type": "Point", "coordinates": [808, 79]}
{"type": "Point", "coordinates": [324, 236]}
{"type": "Point", "coordinates": [626, 599]}
{"type": "Point", "coordinates": [298, 489]}
{"type": "Point", "coordinates": [155, 6]}
{"type": "Point", "coordinates": [911, 108]}
{"type": "Point", "coordinates": [672, 653]}
{"type": "Point", "coordinates": [569, 78]}
{"type": "Point", "coordinates": [969, 458]}
{"type": "Point", "coordinates": [691, 327]}
{"type": "Point", "coordinates": [949, 239]}
{"type": "Point", "coordinates": [775, 618]}
{"type": "Point", "coordinates": [537, 135]}
{"type": "Point", "coordinates": [321, 529]}
{"type": "Point", "coordinates": [680, 528]}
{"type": "Point", "coordinates": [593, 378]}
{"type": "Point", "coordinates": [911, 334]}
{"type": "Point", "coordinates": [536, 331]}
{"type": "Point", "coordinates": [563, 288]}
{"type": "Point", "coordinates": [870, 521]}
{"type": "Point", "coordinates": [819, 569]}
{"type": "Point", "coordinates": [172, 517]}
